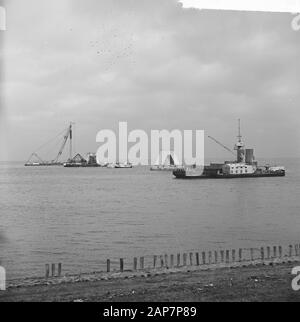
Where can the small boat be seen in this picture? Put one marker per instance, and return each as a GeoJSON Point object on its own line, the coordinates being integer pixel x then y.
{"type": "Point", "coordinates": [103, 165]}
{"type": "Point", "coordinates": [164, 168]}
{"type": "Point", "coordinates": [167, 161]}
{"type": "Point", "coordinates": [111, 165]}
{"type": "Point", "coordinates": [125, 165]}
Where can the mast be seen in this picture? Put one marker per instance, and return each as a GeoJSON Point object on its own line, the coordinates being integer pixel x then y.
{"type": "Point", "coordinates": [240, 135]}
{"type": "Point", "coordinates": [239, 147]}
{"type": "Point", "coordinates": [66, 136]}
{"type": "Point", "coordinates": [71, 141]}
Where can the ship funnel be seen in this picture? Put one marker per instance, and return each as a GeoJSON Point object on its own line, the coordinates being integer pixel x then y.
{"type": "Point", "coordinates": [249, 156]}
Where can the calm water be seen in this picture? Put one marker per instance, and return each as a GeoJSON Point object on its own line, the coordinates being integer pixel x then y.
{"type": "Point", "coordinates": [80, 217]}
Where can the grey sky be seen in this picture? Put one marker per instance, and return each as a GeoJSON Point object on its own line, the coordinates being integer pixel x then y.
{"type": "Point", "coordinates": [152, 64]}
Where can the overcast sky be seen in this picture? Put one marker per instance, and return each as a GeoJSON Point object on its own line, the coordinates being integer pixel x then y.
{"type": "Point", "coordinates": [150, 63]}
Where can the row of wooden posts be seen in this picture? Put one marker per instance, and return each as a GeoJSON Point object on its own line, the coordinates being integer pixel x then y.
{"type": "Point", "coordinates": [195, 259]}
{"type": "Point", "coordinates": [208, 258]}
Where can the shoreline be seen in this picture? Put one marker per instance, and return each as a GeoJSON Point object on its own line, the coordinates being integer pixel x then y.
{"type": "Point", "coordinates": [256, 281]}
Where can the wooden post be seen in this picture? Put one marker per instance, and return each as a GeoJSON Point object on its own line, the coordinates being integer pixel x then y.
{"type": "Point", "coordinates": [203, 258]}
{"type": "Point", "coordinates": [262, 252]}
{"type": "Point", "coordinates": [222, 256]}
{"type": "Point", "coordinates": [178, 260]}
{"type": "Point", "coordinates": [209, 258]}
{"type": "Point", "coordinates": [227, 256]}
{"type": "Point", "coordinates": [184, 259]}
{"type": "Point", "coordinates": [166, 261]}
{"type": "Point", "coordinates": [233, 256]}
{"type": "Point", "coordinates": [161, 261]}
{"type": "Point", "coordinates": [191, 259]}
{"type": "Point", "coordinates": [121, 265]}
{"type": "Point", "coordinates": [135, 264]}
{"type": "Point", "coordinates": [216, 257]}
{"type": "Point", "coordinates": [290, 251]}
{"type": "Point", "coordinates": [252, 254]}
{"type": "Point", "coordinates": [197, 259]}
{"type": "Point", "coordinates": [268, 252]}
{"type": "Point", "coordinates": [53, 270]}
{"type": "Point", "coordinates": [59, 269]}
{"type": "Point", "coordinates": [172, 261]}
{"type": "Point", "coordinates": [154, 261]}
{"type": "Point", "coordinates": [275, 252]}
{"type": "Point", "coordinates": [280, 251]}
{"type": "Point", "coordinates": [142, 263]}
{"type": "Point", "coordinates": [108, 266]}
{"type": "Point", "coordinates": [240, 255]}
{"type": "Point", "coordinates": [47, 271]}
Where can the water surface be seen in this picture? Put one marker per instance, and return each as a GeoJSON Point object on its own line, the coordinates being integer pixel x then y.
{"type": "Point", "coordinates": [80, 217]}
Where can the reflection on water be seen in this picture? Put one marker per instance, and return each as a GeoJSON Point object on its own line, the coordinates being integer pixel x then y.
{"type": "Point", "coordinates": [80, 217]}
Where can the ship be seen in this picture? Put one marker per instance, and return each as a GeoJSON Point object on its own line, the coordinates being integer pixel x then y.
{"type": "Point", "coordinates": [244, 166]}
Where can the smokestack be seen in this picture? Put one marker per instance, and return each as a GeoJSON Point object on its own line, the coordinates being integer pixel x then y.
{"type": "Point", "coordinates": [249, 156]}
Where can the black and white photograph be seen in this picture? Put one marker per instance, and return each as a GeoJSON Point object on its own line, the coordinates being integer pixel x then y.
{"type": "Point", "coordinates": [149, 154]}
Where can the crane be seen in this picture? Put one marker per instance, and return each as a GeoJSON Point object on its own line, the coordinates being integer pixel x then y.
{"type": "Point", "coordinates": [66, 136]}
{"type": "Point", "coordinates": [222, 145]}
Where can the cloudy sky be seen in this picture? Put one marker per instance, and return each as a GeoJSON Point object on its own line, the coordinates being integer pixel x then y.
{"type": "Point", "coordinates": [150, 63]}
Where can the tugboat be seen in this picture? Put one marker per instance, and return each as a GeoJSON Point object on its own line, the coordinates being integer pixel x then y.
{"type": "Point", "coordinates": [245, 166]}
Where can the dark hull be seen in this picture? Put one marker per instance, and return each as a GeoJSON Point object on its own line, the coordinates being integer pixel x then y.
{"type": "Point", "coordinates": [254, 175]}
{"type": "Point", "coordinates": [123, 167]}
{"type": "Point", "coordinates": [43, 164]}
{"type": "Point", "coordinates": [81, 166]}
{"type": "Point", "coordinates": [162, 169]}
